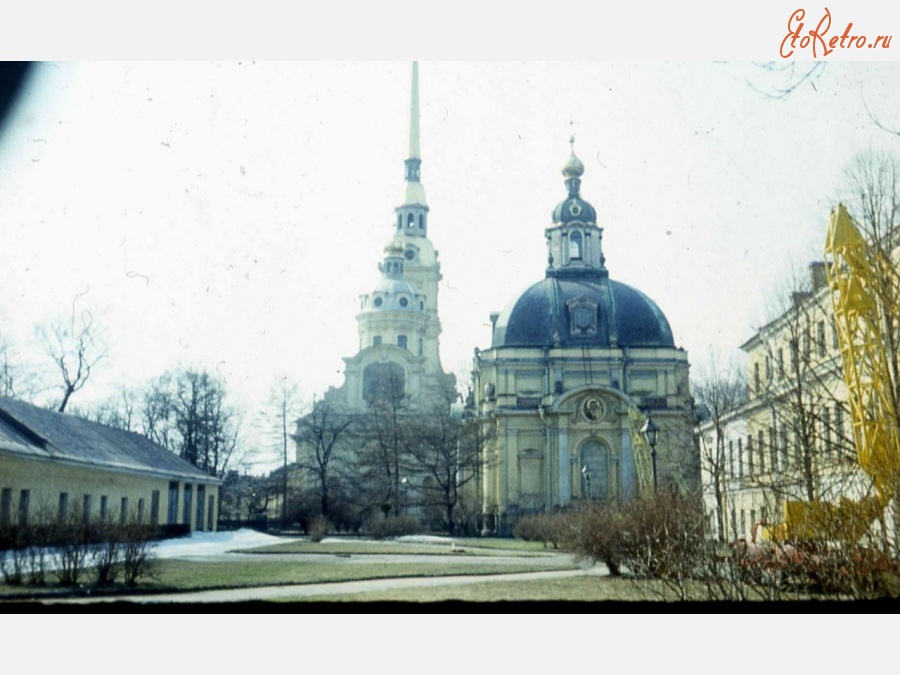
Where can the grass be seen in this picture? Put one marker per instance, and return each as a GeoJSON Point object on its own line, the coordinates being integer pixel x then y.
{"type": "Point", "coordinates": [184, 575]}
{"type": "Point", "coordinates": [354, 547]}
{"type": "Point", "coordinates": [190, 575]}
{"type": "Point", "coordinates": [583, 589]}
{"type": "Point", "coordinates": [504, 545]}
{"type": "Point", "coordinates": [351, 547]}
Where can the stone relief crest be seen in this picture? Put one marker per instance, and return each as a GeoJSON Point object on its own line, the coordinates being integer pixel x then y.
{"type": "Point", "coordinates": [593, 409]}
{"type": "Point", "coordinates": [582, 316]}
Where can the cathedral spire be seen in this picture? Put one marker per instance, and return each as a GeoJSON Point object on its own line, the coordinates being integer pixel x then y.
{"type": "Point", "coordinates": [415, 192]}
{"type": "Point", "coordinates": [414, 152]}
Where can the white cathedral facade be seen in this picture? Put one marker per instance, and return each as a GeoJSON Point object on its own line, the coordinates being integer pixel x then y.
{"type": "Point", "coordinates": [398, 321]}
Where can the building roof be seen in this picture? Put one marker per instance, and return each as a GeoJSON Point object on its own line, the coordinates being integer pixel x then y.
{"type": "Point", "coordinates": [30, 431]}
{"type": "Point", "coordinates": [618, 316]}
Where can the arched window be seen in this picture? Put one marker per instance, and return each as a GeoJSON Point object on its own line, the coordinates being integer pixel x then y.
{"type": "Point", "coordinates": [399, 221]}
{"type": "Point", "coordinates": [411, 220]}
{"type": "Point", "coordinates": [594, 456]}
{"type": "Point", "coordinates": [575, 242]}
{"type": "Point", "coordinates": [386, 381]}
{"type": "Point", "coordinates": [421, 222]}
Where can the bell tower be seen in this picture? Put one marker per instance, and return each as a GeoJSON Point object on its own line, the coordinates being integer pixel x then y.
{"type": "Point", "coordinates": [398, 321]}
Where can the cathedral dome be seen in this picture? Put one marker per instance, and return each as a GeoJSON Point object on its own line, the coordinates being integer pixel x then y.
{"type": "Point", "coordinates": [586, 311]}
{"type": "Point", "coordinates": [574, 208]}
{"type": "Point", "coordinates": [574, 167]}
{"type": "Point", "coordinates": [395, 295]}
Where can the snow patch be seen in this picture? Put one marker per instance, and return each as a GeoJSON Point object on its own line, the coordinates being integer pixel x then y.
{"type": "Point", "coordinates": [214, 543]}
{"type": "Point", "coordinates": [425, 539]}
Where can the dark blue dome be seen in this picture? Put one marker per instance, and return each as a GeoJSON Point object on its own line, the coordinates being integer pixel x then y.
{"type": "Point", "coordinates": [574, 209]}
{"type": "Point", "coordinates": [582, 311]}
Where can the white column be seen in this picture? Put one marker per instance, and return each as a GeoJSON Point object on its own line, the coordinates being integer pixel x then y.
{"type": "Point", "coordinates": [565, 483]}
{"type": "Point", "coordinates": [626, 465]}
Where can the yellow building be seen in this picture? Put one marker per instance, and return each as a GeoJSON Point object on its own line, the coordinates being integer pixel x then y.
{"type": "Point", "coordinates": [53, 464]}
{"type": "Point", "coordinates": [576, 363]}
{"type": "Point", "coordinates": [791, 440]}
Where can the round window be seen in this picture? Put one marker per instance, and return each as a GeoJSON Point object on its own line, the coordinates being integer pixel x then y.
{"type": "Point", "coordinates": [410, 254]}
{"type": "Point", "coordinates": [378, 302]}
{"type": "Point", "coordinates": [404, 302]}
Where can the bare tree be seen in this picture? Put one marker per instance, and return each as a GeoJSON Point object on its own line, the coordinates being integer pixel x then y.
{"type": "Point", "coordinates": [207, 426]}
{"type": "Point", "coordinates": [780, 79]}
{"type": "Point", "coordinates": [446, 448]}
{"type": "Point", "coordinates": [75, 349]}
{"type": "Point", "coordinates": [320, 434]}
{"type": "Point", "coordinates": [187, 411]}
{"type": "Point", "coordinates": [119, 410]}
{"type": "Point", "coordinates": [280, 415]}
{"type": "Point", "coordinates": [158, 412]}
{"type": "Point", "coordinates": [801, 392]}
{"type": "Point", "coordinates": [873, 180]}
{"type": "Point", "coordinates": [382, 458]}
{"type": "Point", "coordinates": [17, 380]}
{"type": "Point", "coordinates": [719, 392]}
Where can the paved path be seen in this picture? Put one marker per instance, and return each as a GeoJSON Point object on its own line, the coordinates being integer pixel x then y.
{"type": "Point", "coordinates": [336, 588]}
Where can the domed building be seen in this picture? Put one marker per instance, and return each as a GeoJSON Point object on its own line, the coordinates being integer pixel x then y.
{"type": "Point", "coordinates": [576, 366]}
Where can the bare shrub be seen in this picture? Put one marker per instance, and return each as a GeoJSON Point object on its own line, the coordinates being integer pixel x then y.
{"type": "Point", "coordinates": [540, 527]}
{"type": "Point", "coordinates": [107, 554]}
{"type": "Point", "coordinates": [71, 537]}
{"type": "Point", "coordinates": [319, 528]}
{"type": "Point", "coordinates": [530, 528]}
{"type": "Point", "coordinates": [37, 553]}
{"type": "Point", "coordinates": [137, 550]}
{"type": "Point", "coordinates": [665, 538]}
{"type": "Point", "coordinates": [560, 529]}
{"type": "Point", "coordinates": [599, 534]}
{"type": "Point", "coordinates": [662, 538]}
{"type": "Point", "coordinates": [385, 528]}
{"type": "Point", "coordinates": [12, 555]}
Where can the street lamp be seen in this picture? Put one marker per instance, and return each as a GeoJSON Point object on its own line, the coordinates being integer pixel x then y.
{"type": "Point", "coordinates": [587, 479]}
{"type": "Point", "coordinates": [650, 432]}
{"type": "Point", "coordinates": [615, 461]}
{"type": "Point", "coordinates": [405, 483]}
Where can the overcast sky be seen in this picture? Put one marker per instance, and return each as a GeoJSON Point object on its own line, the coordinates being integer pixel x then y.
{"type": "Point", "coordinates": [229, 215]}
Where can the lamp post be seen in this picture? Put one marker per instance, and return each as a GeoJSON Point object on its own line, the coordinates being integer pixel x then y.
{"type": "Point", "coordinates": [650, 432]}
{"type": "Point", "coordinates": [615, 461]}
{"type": "Point", "coordinates": [405, 483]}
{"type": "Point", "coordinates": [587, 479]}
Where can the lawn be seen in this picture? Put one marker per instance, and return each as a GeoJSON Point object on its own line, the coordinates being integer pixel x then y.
{"type": "Point", "coordinates": [185, 575]}
{"type": "Point", "coordinates": [583, 589]}
{"type": "Point", "coordinates": [364, 547]}
{"type": "Point", "coordinates": [507, 545]}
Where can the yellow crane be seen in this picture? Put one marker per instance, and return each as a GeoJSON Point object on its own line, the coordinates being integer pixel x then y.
{"type": "Point", "coordinates": [854, 270]}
